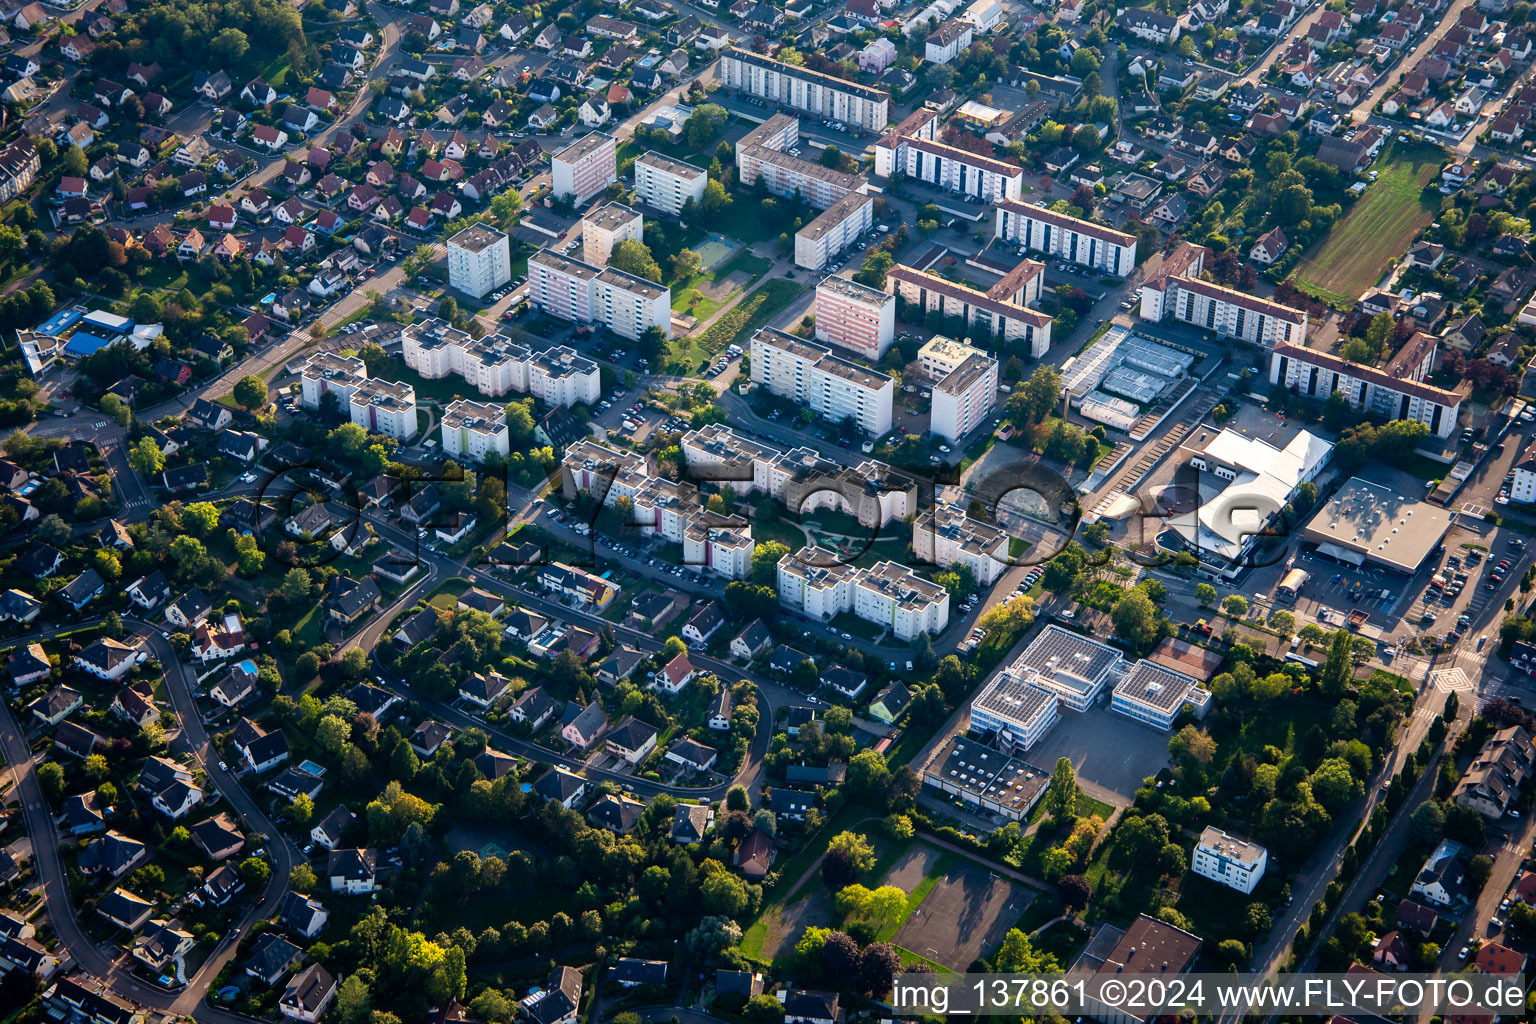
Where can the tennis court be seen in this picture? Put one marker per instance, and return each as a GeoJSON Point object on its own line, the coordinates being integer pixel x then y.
{"type": "Point", "coordinates": [715, 251]}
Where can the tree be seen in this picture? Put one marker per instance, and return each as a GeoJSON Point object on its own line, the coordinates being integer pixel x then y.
{"type": "Point", "coordinates": [251, 392]}
{"type": "Point", "coordinates": [1339, 669]}
{"type": "Point", "coordinates": [856, 847]}
{"type": "Point", "coordinates": [736, 799]}
{"type": "Point", "coordinates": [878, 965]}
{"type": "Point", "coordinates": [876, 265]}
{"type": "Point", "coordinates": [1061, 796]}
{"type": "Point", "coordinates": [1135, 618]}
{"type": "Point", "coordinates": [1073, 891]}
{"type": "Point", "coordinates": [1235, 605]}
{"type": "Point", "coordinates": [831, 157]}
{"type": "Point", "coordinates": [255, 872]}
{"type": "Point", "coordinates": [228, 47]}
{"type": "Point", "coordinates": [685, 264]}
{"type": "Point", "coordinates": [1193, 743]}
{"type": "Point", "coordinates": [1427, 823]}
{"type": "Point", "coordinates": [763, 1009]}
{"type": "Point", "coordinates": [1034, 399]}
{"type": "Point", "coordinates": [1205, 594]}
{"type": "Point", "coordinates": [302, 879]}
{"type": "Point", "coordinates": [146, 457]}
{"type": "Point", "coordinates": [765, 562]}
{"type": "Point", "coordinates": [634, 257]}
{"type": "Point", "coordinates": [50, 776]}
{"type": "Point", "coordinates": [723, 894]}
{"type": "Point", "coordinates": [839, 955]}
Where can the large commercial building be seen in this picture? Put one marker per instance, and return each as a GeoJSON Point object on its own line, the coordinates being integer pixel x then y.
{"type": "Point", "coordinates": [998, 312]}
{"type": "Point", "coordinates": [1235, 863]}
{"type": "Point", "coordinates": [913, 150]}
{"type": "Point", "coordinates": [836, 228]}
{"type": "Point", "coordinates": [605, 227]}
{"type": "Point", "coordinates": [495, 364]}
{"type": "Point", "coordinates": [1396, 391]}
{"type": "Point", "coordinates": [585, 167]}
{"type": "Point", "coordinates": [1013, 713]}
{"type": "Point", "coordinates": [330, 372]}
{"type": "Point", "coordinates": [577, 291]}
{"type": "Point", "coordinates": [1068, 238]}
{"type": "Point", "coordinates": [802, 480]}
{"type": "Point", "coordinates": [803, 89]}
{"type": "Point", "coordinates": [764, 153]}
{"type": "Point", "coordinates": [667, 184]}
{"type": "Point", "coordinates": [1366, 522]}
{"type": "Point", "coordinates": [815, 583]}
{"type": "Point", "coordinates": [1071, 667]}
{"type": "Point", "coordinates": [855, 317]}
{"type": "Point", "coordinates": [1155, 695]}
{"type": "Point", "coordinates": [834, 388]}
{"type": "Point", "coordinates": [944, 536]}
{"type": "Point", "coordinates": [475, 430]}
{"type": "Point", "coordinates": [479, 260]}
{"type": "Point", "coordinates": [384, 407]}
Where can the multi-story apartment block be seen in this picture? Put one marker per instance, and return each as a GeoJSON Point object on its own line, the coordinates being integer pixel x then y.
{"type": "Point", "coordinates": [963, 400]}
{"type": "Point", "coordinates": [495, 364]}
{"type": "Point", "coordinates": [1067, 238]}
{"type": "Point", "coordinates": [585, 167]}
{"type": "Point", "coordinates": [574, 290]}
{"type": "Point", "coordinates": [479, 260]}
{"type": "Point", "coordinates": [721, 543]}
{"type": "Point", "coordinates": [997, 310]}
{"type": "Point", "coordinates": [384, 408]}
{"type": "Point", "coordinates": [945, 42]}
{"type": "Point", "coordinates": [944, 535]}
{"type": "Point", "coordinates": [667, 184]}
{"type": "Point", "coordinates": [814, 583]}
{"type": "Point", "coordinates": [855, 317]}
{"type": "Point", "coordinates": [802, 480]}
{"type": "Point", "coordinates": [803, 89]}
{"type": "Point", "coordinates": [330, 372]}
{"type": "Point", "coordinates": [604, 227]}
{"type": "Point", "coordinates": [475, 430]}
{"type": "Point", "coordinates": [19, 164]}
{"type": "Point", "coordinates": [1523, 489]}
{"type": "Point", "coordinates": [1396, 391]}
{"type": "Point", "coordinates": [831, 386]}
{"type": "Point", "coordinates": [1187, 261]}
{"type": "Point", "coordinates": [1232, 313]}
{"type": "Point", "coordinates": [764, 153]}
{"type": "Point", "coordinates": [913, 150]}
{"type": "Point", "coordinates": [835, 229]}
{"type": "Point", "coordinates": [1235, 863]}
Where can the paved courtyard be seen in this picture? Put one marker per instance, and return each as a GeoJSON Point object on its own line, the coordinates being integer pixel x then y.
{"type": "Point", "coordinates": [1110, 751]}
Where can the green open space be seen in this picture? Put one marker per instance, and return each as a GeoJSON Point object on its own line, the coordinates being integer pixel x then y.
{"type": "Point", "coordinates": [1359, 248]}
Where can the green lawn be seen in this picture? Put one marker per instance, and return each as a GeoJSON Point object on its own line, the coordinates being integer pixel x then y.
{"type": "Point", "coordinates": [1390, 213]}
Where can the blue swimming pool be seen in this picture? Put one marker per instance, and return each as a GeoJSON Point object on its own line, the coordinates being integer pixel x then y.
{"type": "Point", "coordinates": [248, 666]}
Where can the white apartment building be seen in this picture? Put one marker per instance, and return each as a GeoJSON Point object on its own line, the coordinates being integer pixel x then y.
{"type": "Point", "coordinates": [913, 149]}
{"type": "Point", "coordinates": [384, 408]}
{"type": "Point", "coordinates": [604, 227]}
{"type": "Point", "coordinates": [997, 310]}
{"type": "Point", "coordinates": [855, 317]}
{"type": "Point", "coordinates": [721, 543]}
{"type": "Point", "coordinates": [764, 153]}
{"type": "Point", "coordinates": [814, 583]}
{"type": "Point", "coordinates": [1232, 313]}
{"type": "Point", "coordinates": [475, 430]}
{"type": "Point", "coordinates": [835, 229]}
{"type": "Point", "coordinates": [1523, 489]}
{"type": "Point", "coordinates": [577, 291]}
{"type": "Point", "coordinates": [803, 89]}
{"type": "Point", "coordinates": [1067, 238]}
{"type": "Point", "coordinates": [479, 260]}
{"type": "Point", "coordinates": [1236, 863]}
{"type": "Point", "coordinates": [963, 400]}
{"type": "Point", "coordinates": [667, 184]}
{"type": "Point", "coordinates": [985, 15]}
{"type": "Point", "coordinates": [1154, 695]}
{"type": "Point", "coordinates": [495, 364]}
{"type": "Point", "coordinates": [1396, 391]}
{"type": "Point", "coordinates": [330, 372]}
{"type": "Point", "coordinates": [585, 167]}
{"type": "Point", "coordinates": [1188, 260]}
{"type": "Point", "coordinates": [944, 536]}
{"type": "Point", "coordinates": [811, 375]}
{"type": "Point", "coordinates": [945, 43]}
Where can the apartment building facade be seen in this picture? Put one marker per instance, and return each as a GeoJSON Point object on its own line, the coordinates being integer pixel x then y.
{"type": "Point", "coordinates": [384, 407]}
{"type": "Point", "coordinates": [1002, 317]}
{"type": "Point", "coordinates": [586, 167]}
{"type": "Point", "coordinates": [605, 227]}
{"type": "Point", "coordinates": [1391, 392]}
{"type": "Point", "coordinates": [479, 260]}
{"type": "Point", "coordinates": [475, 430]}
{"type": "Point", "coordinates": [803, 89]}
{"type": "Point", "coordinates": [834, 230]}
{"type": "Point", "coordinates": [667, 184]}
{"type": "Point", "coordinates": [855, 317]}
{"type": "Point", "coordinates": [811, 375]}
{"type": "Point", "coordinates": [1068, 238]}
{"type": "Point", "coordinates": [495, 364]}
{"type": "Point", "coordinates": [580, 292]}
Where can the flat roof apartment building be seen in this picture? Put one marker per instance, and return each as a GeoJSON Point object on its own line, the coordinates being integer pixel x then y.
{"type": "Point", "coordinates": [1397, 391]}
{"type": "Point", "coordinates": [944, 535]}
{"type": "Point", "coordinates": [604, 227]}
{"type": "Point", "coordinates": [667, 184]}
{"type": "Point", "coordinates": [914, 150]}
{"type": "Point", "coordinates": [495, 364]}
{"type": "Point", "coordinates": [835, 229]}
{"type": "Point", "coordinates": [764, 153]}
{"type": "Point", "coordinates": [815, 583]}
{"type": "Point", "coordinates": [1236, 863]}
{"type": "Point", "coordinates": [803, 89]}
{"type": "Point", "coordinates": [963, 400]}
{"type": "Point", "coordinates": [479, 260]}
{"type": "Point", "coordinates": [1068, 238]}
{"type": "Point", "coordinates": [330, 372]}
{"type": "Point", "coordinates": [577, 291]}
{"type": "Point", "coordinates": [384, 407]}
{"type": "Point", "coordinates": [585, 167]}
{"type": "Point", "coordinates": [834, 388]}
{"type": "Point", "coordinates": [474, 430]}
{"type": "Point", "coordinates": [1002, 316]}
{"type": "Point", "coordinates": [855, 317]}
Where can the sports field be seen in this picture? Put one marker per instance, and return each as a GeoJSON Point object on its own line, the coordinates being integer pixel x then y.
{"type": "Point", "coordinates": [1391, 212]}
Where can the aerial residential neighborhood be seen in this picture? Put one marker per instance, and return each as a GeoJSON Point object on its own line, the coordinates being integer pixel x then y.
{"type": "Point", "coordinates": [678, 510]}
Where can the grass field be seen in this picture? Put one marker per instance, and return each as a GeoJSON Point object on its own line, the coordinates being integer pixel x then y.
{"type": "Point", "coordinates": [1390, 213]}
